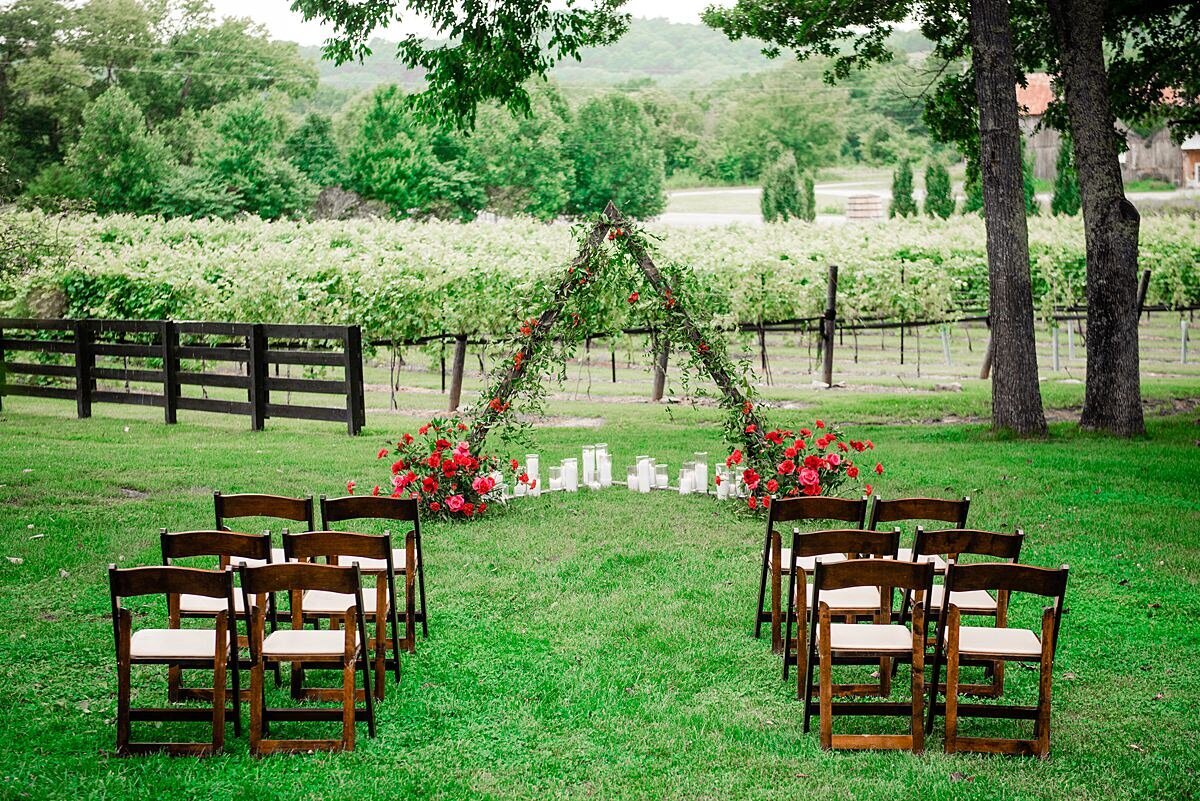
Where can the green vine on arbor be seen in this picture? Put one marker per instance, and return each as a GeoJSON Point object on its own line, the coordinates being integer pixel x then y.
{"type": "Point", "coordinates": [614, 257]}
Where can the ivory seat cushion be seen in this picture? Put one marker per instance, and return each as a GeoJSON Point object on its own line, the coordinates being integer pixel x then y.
{"type": "Point", "coordinates": [307, 642]}
{"type": "Point", "coordinates": [321, 602]}
{"type": "Point", "coordinates": [276, 558]}
{"type": "Point", "coordinates": [865, 599]}
{"type": "Point", "coordinates": [1017, 643]}
{"type": "Point", "coordinates": [202, 604]}
{"type": "Point", "coordinates": [806, 563]}
{"type": "Point", "coordinates": [939, 564]}
{"type": "Point", "coordinates": [369, 565]}
{"type": "Point", "coordinates": [868, 637]}
{"type": "Point", "coordinates": [976, 601]}
{"type": "Point", "coordinates": [173, 644]}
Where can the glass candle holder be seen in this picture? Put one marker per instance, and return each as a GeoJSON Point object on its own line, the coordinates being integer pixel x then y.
{"type": "Point", "coordinates": [662, 478]}
{"type": "Point", "coordinates": [701, 477]}
{"type": "Point", "coordinates": [556, 478]}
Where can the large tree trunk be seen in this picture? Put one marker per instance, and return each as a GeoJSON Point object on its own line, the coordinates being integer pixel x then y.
{"type": "Point", "coordinates": [1016, 397]}
{"type": "Point", "coordinates": [1113, 396]}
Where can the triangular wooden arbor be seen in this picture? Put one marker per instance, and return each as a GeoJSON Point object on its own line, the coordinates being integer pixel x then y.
{"type": "Point", "coordinates": [695, 337]}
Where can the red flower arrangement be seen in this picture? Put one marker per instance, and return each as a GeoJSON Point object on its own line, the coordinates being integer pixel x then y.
{"type": "Point", "coordinates": [794, 463]}
{"type": "Point", "coordinates": [439, 470]}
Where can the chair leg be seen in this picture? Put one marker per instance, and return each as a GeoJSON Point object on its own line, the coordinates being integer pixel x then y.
{"type": "Point", "coordinates": [826, 659]}
{"type": "Point", "coordinates": [348, 695]}
{"type": "Point", "coordinates": [917, 724]}
{"type": "Point", "coordinates": [776, 595]}
{"type": "Point", "coordinates": [762, 589]}
{"type": "Point", "coordinates": [803, 683]}
{"type": "Point", "coordinates": [421, 587]}
{"type": "Point", "coordinates": [258, 701]}
{"type": "Point", "coordinates": [951, 683]}
{"type": "Point", "coordinates": [218, 724]}
{"type": "Point", "coordinates": [1042, 725]}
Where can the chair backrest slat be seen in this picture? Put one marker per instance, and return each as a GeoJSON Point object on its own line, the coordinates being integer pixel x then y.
{"type": "Point", "coordinates": [226, 544]}
{"type": "Point", "coordinates": [846, 540]}
{"type": "Point", "coordinates": [1044, 581]}
{"type": "Point", "coordinates": [817, 507]}
{"type": "Point", "coordinates": [260, 505]}
{"type": "Point", "coordinates": [299, 576]}
{"type": "Point", "coordinates": [165, 580]}
{"type": "Point", "coordinates": [358, 507]}
{"type": "Point", "coordinates": [953, 542]}
{"type": "Point", "coordinates": [939, 509]}
{"type": "Point", "coordinates": [318, 544]}
{"type": "Point", "coordinates": [872, 573]}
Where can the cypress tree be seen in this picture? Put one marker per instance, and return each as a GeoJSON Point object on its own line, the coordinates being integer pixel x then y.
{"type": "Point", "coordinates": [810, 198]}
{"type": "Point", "coordinates": [939, 199]}
{"type": "Point", "coordinates": [1032, 207]}
{"type": "Point", "coordinates": [782, 197]}
{"type": "Point", "coordinates": [1066, 182]}
{"type": "Point", "coordinates": [902, 204]}
{"type": "Point", "coordinates": [972, 188]}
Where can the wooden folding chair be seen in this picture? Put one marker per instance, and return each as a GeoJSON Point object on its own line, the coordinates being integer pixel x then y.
{"type": "Point", "coordinates": [344, 649]}
{"type": "Point", "coordinates": [908, 510]}
{"type": "Point", "coordinates": [851, 604]}
{"type": "Point", "coordinates": [377, 507]}
{"type": "Point", "coordinates": [279, 507]}
{"type": "Point", "coordinates": [343, 547]}
{"type": "Point", "coordinates": [224, 545]}
{"type": "Point", "coordinates": [957, 642]}
{"type": "Point", "coordinates": [775, 559]}
{"type": "Point", "coordinates": [209, 649]}
{"type": "Point", "coordinates": [865, 642]}
{"type": "Point", "coordinates": [953, 544]}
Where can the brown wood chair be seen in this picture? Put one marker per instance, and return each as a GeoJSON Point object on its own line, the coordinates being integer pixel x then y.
{"type": "Point", "coordinates": [953, 545]}
{"type": "Point", "coordinates": [380, 606]}
{"type": "Point", "coordinates": [957, 642]}
{"type": "Point", "coordinates": [344, 649]}
{"type": "Point", "coordinates": [775, 559]}
{"type": "Point", "coordinates": [907, 510]}
{"type": "Point", "coordinates": [209, 649]}
{"type": "Point", "coordinates": [864, 643]}
{"type": "Point", "coordinates": [373, 507]}
{"type": "Point", "coordinates": [224, 545]}
{"type": "Point", "coordinates": [850, 604]}
{"type": "Point", "coordinates": [278, 507]}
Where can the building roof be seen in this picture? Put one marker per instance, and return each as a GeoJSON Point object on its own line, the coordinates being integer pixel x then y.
{"type": "Point", "coordinates": [1033, 99]}
{"type": "Point", "coordinates": [1191, 143]}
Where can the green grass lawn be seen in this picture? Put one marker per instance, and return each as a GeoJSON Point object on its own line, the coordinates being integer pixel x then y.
{"type": "Point", "coordinates": [598, 645]}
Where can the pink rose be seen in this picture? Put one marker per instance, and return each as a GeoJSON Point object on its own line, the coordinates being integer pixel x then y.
{"type": "Point", "coordinates": [809, 476]}
{"type": "Point", "coordinates": [833, 459]}
{"type": "Point", "coordinates": [454, 503]}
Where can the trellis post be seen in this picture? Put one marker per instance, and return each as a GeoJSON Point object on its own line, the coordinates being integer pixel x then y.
{"type": "Point", "coordinates": [830, 323]}
{"type": "Point", "coordinates": [456, 374]}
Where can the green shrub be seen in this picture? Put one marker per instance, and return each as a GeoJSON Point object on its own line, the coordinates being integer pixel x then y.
{"type": "Point", "coordinates": [939, 198]}
{"type": "Point", "coordinates": [902, 204]}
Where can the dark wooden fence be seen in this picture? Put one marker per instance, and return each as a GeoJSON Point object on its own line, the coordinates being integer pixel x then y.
{"type": "Point", "coordinates": [172, 355]}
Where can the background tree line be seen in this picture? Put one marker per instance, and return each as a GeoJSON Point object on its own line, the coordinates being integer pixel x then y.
{"type": "Point", "coordinates": [158, 108]}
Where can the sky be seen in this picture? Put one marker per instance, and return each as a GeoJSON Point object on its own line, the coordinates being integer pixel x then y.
{"type": "Point", "coordinates": [283, 23]}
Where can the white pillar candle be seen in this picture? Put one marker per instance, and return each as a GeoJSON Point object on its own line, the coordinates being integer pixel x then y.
{"type": "Point", "coordinates": [532, 464]}
{"type": "Point", "coordinates": [701, 476]}
{"type": "Point", "coordinates": [556, 482]}
{"type": "Point", "coordinates": [589, 465]}
{"type": "Point", "coordinates": [662, 478]}
{"type": "Point", "coordinates": [645, 474]}
{"type": "Point", "coordinates": [570, 474]}
{"type": "Point", "coordinates": [605, 464]}
{"type": "Point", "coordinates": [685, 482]}
{"type": "Point", "coordinates": [631, 477]}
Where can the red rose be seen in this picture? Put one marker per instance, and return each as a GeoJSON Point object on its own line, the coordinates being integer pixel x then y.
{"type": "Point", "coordinates": [468, 509]}
{"type": "Point", "coordinates": [434, 460]}
{"type": "Point", "coordinates": [734, 458]}
{"type": "Point", "coordinates": [786, 467]}
{"type": "Point", "coordinates": [633, 297]}
{"type": "Point", "coordinates": [752, 502]}
{"type": "Point", "coordinates": [852, 471]}
{"type": "Point", "coordinates": [747, 407]}
{"type": "Point", "coordinates": [429, 484]}
{"type": "Point", "coordinates": [750, 429]}
{"type": "Point", "coordinates": [382, 453]}
{"type": "Point", "coordinates": [523, 478]}
{"type": "Point", "coordinates": [481, 508]}
{"type": "Point", "coordinates": [804, 432]}
{"type": "Point", "coordinates": [867, 489]}
{"type": "Point", "coordinates": [423, 430]}
{"type": "Point", "coordinates": [775, 436]}
{"type": "Point", "coordinates": [878, 469]}
{"type": "Point", "coordinates": [813, 461]}
{"type": "Point", "coordinates": [350, 487]}
{"type": "Point", "coordinates": [820, 424]}
{"type": "Point", "coordinates": [812, 489]}
{"type": "Point", "coordinates": [435, 507]}
{"type": "Point", "coordinates": [397, 466]}
{"type": "Point", "coordinates": [462, 426]}
{"type": "Point", "coordinates": [514, 464]}
{"type": "Point", "coordinates": [375, 491]}
{"type": "Point", "coordinates": [772, 485]}
{"type": "Point", "coordinates": [750, 477]}
{"type": "Point", "coordinates": [790, 452]}
{"type": "Point", "coordinates": [842, 447]}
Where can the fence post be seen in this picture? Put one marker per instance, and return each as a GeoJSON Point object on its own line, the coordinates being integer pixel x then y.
{"type": "Point", "coordinates": [3, 371]}
{"type": "Point", "coordinates": [83, 368]}
{"type": "Point", "coordinates": [946, 343]}
{"type": "Point", "coordinates": [168, 338]}
{"type": "Point", "coordinates": [257, 369]}
{"type": "Point", "coordinates": [1054, 363]}
{"type": "Point", "coordinates": [456, 375]}
{"type": "Point", "coordinates": [613, 358]}
{"type": "Point", "coordinates": [356, 412]}
{"type": "Point", "coordinates": [830, 323]}
{"type": "Point", "coordinates": [1183, 340]}
{"type": "Point", "coordinates": [986, 369]}
{"type": "Point", "coordinates": [662, 353]}
{"type": "Point", "coordinates": [1143, 288]}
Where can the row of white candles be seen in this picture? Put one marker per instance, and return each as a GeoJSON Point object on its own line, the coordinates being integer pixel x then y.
{"type": "Point", "coordinates": [597, 472]}
{"type": "Point", "coordinates": [647, 474]}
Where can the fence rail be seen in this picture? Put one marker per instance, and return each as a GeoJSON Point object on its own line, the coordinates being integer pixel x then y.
{"type": "Point", "coordinates": [163, 349]}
